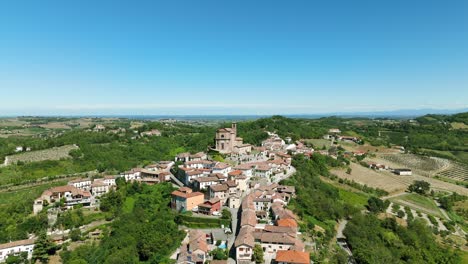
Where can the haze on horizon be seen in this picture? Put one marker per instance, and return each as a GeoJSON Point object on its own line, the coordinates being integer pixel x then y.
{"type": "Point", "coordinates": [242, 57]}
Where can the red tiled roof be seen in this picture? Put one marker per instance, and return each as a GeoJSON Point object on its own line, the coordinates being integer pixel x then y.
{"type": "Point", "coordinates": [292, 256]}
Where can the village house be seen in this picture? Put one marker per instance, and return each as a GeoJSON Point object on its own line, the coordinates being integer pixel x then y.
{"type": "Point", "coordinates": [72, 196]}
{"type": "Point", "coordinates": [244, 244]}
{"type": "Point", "coordinates": [183, 157]}
{"type": "Point", "coordinates": [222, 167]}
{"type": "Point", "coordinates": [184, 199]}
{"type": "Point", "coordinates": [203, 183]}
{"type": "Point", "coordinates": [263, 171]}
{"type": "Point", "coordinates": [195, 248]}
{"type": "Point", "coordinates": [377, 166]}
{"type": "Point", "coordinates": [247, 169]}
{"type": "Point", "coordinates": [99, 187]}
{"type": "Point", "coordinates": [292, 257]}
{"type": "Point", "coordinates": [109, 180]}
{"type": "Point", "coordinates": [232, 187]}
{"type": "Point", "coordinates": [198, 156]}
{"type": "Point", "coordinates": [132, 174]}
{"type": "Point", "coordinates": [210, 206]}
{"type": "Point", "coordinates": [199, 164]}
{"type": "Point", "coordinates": [234, 201]}
{"type": "Point", "coordinates": [219, 191]}
{"type": "Point", "coordinates": [84, 184]}
{"type": "Point", "coordinates": [15, 248]}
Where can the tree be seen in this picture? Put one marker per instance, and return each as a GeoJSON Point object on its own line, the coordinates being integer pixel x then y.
{"type": "Point", "coordinates": [349, 170]}
{"type": "Point", "coordinates": [43, 248]}
{"type": "Point", "coordinates": [219, 254]}
{"type": "Point", "coordinates": [421, 187]}
{"type": "Point", "coordinates": [258, 254]}
{"type": "Point", "coordinates": [376, 205]}
{"type": "Point", "coordinates": [226, 214]}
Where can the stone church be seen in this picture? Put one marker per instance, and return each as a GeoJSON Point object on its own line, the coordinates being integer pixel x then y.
{"type": "Point", "coordinates": [227, 141]}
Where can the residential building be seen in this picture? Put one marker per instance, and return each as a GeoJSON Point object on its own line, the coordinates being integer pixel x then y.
{"type": "Point", "coordinates": [185, 199]}
{"type": "Point", "coordinates": [195, 250]}
{"type": "Point", "coordinates": [72, 196]}
{"type": "Point", "coordinates": [84, 184]}
{"type": "Point", "coordinates": [292, 257]}
{"type": "Point", "coordinates": [210, 206]}
{"type": "Point", "coordinates": [219, 191]}
{"type": "Point", "coordinates": [15, 248]}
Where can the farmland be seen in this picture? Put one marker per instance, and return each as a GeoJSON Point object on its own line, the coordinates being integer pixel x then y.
{"type": "Point", "coordinates": [56, 153]}
{"type": "Point", "coordinates": [456, 171]}
{"type": "Point", "coordinates": [393, 183]}
{"type": "Point", "coordinates": [426, 166]}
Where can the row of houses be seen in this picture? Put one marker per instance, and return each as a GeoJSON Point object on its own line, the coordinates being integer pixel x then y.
{"type": "Point", "coordinates": [16, 248]}
{"type": "Point", "coordinates": [280, 238]}
{"type": "Point", "coordinates": [84, 192]}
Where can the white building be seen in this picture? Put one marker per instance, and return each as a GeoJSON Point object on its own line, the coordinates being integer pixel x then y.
{"type": "Point", "coordinates": [84, 184]}
{"type": "Point", "coordinates": [15, 248]}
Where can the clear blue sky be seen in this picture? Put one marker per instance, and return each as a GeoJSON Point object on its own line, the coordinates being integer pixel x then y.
{"type": "Point", "coordinates": [238, 57]}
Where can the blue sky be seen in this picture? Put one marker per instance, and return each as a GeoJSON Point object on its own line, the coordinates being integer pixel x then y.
{"type": "Point", "coordinates": [231, 57]}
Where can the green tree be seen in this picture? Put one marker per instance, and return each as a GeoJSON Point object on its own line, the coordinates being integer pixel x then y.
{"type": "Point", "coordinates": [421, 187]}
{"type": "Point", "coordinates": [43, 248]}
{"type": "Point", "coordinates": [376, 205]}
{"type": "Point", "coordinates": [258, 254]}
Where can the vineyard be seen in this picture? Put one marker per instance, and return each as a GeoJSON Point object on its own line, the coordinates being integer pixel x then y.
{"type": "Point", "coordinates": [425, 166]}
{"type": "Point", "coordinates": [457, 171]}
{"type": "Point", "coordinates": [41, 155]}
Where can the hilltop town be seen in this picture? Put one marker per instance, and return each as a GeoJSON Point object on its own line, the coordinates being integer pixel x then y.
{"type": "Point", "coordinates": [237, 202]}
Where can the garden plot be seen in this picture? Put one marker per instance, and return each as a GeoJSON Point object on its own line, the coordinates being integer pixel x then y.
{"type": "Point", "coordinates": [422, 165]}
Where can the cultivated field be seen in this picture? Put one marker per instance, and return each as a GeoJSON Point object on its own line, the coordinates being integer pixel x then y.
{"type": "Point", "coordinates": [394, 183]}
{"type": "Point", "coordinates": [457, 171]}
{"type": "Point", "coordinates": [40, 155]}
{"type": "Point", "coordinates": [426, 166]}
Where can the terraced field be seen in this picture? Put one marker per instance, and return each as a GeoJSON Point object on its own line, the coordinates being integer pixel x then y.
{"type": "Point", "coordinates": [40, 155]}
{"type": "Point", "coordinates": [425, 166]}
{"type": "Point", "coordinates": [457, 171]}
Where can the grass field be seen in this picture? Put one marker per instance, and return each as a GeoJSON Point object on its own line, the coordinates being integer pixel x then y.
{"type": "Point", "coordinates": [319, 143]}
{"type": "Point", "coordinates": [356, 199]}
{"type": "Point", "coordinates": [418, 202]}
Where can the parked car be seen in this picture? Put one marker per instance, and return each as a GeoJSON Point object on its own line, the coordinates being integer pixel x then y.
{"type": "Point", "coordinates": [216, 213]}
{"type": "Point", "coordinates": [195, 209]}
{"type": "Point", "coordinates": [227, 230]}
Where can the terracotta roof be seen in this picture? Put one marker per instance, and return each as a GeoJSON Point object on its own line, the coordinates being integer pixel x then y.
{"type": "Point", "coordinates": [219, 187]}
{"type": "Point", "coordinates": [197, 241]}
{"type": "Point", "coordinates": [231, 184]}
{"type": "Point", "coordinates": [292, 256]}
{"type": "Point", "coordinates": [280, 229]}
{"type": "Point", "coordinates": [17, 243]}
{"type": "Point", "coordinates": [186, 195]}
{"type": "Point", "coordinates": [222, 166]}
{"type": "Point", "coordinates": [279, 238]}
{"type": "Point", "coordinates": [245, 237]}
{"type": "Point", "coordinates": [207, 179]}
{"type": "Point", "coordinates": [66, 188]}
{"type": "Point", "coordinates": [248, 218]}
{"type": "Point", "coordinates": [194, 172]}
{"type": "Point", "coordinates": [286, 222]}
{"type": "Point", "coordinates": [235, 173]}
